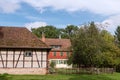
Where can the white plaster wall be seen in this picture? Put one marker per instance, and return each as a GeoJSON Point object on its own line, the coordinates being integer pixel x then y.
{"type": "Point", "coordinates": [34, 56]}
{"type": "Point", "coordinates": [63, 66]}
{"type": "Point", "coordinates": [38, 55]}
{"type": "Point", "coordinates": [3, 52]}
{"type": "Point", "coordinates": [1, 65]}
{"type": "Point", "coordinates": [10, 64]}
{"type": "Point", "coordinates": [35, 64]}
{"type": "Point", "coordinates": [27, 62]}
{"type": "Point", "coordinates": [44, 64]}
{"type": "Point", "coordinates": [20, 64]}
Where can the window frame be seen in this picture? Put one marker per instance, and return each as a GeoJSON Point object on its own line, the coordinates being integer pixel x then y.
{"type": "Point", "coordinates": [56, 46]}
{"type": "Point", "coordinates": [67, 53]}
{"type": "Point", "coordinates": [28, 54]}
{"type": "Point", "coordinates": [54, 53]}
{"type": "Point", "coordinates": [61, 53]}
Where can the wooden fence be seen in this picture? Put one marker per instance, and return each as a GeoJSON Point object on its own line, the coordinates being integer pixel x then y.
{"type": "Point", "coordinates": [84, 70]}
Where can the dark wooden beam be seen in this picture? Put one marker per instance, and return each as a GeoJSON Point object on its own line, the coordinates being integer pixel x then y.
{"type": "Point", "coordinates": [37, 59]}
{"type": "Point", "coordinates": [18, 59]}
{"type": "Point", "coordinates": [6, 57]}
{"type": "Point", "coordinates": [13, 58]}
{"type": "Point", "coordinates": [47, 61]}
{"type": "Point", "coordinates": [32, 60]}
{"type": "Point", "coordinates": [23, 59]}
{"type": "Point", "coordinates": [41, 58]}
{"type": "Point", "coordinates": [1, 59]}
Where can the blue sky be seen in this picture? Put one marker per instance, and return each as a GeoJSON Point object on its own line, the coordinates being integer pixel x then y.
{"type": "Point", "coordinates": [60, 13]}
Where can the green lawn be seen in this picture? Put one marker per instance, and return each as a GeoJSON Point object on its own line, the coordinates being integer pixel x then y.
{"type": "Point", "coordinates": [115, 76]}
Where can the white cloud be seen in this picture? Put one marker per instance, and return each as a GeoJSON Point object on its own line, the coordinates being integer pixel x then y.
{"type": "Point", "coordinates": [9, 6]}
{"type": "Point", "coordinates": [33, 18]}
{"type": "Point", "coordinates": [102, 7]}
{"type": "Point", "coordinates": [112, 23]}
{"type": "Point", "coordinates": [105, 7]}
{"type": "Point", "coordinates": [35, 25]}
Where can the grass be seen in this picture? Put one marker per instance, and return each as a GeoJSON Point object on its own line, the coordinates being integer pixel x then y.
{"type": "Point", "coordinates": [114, 76]}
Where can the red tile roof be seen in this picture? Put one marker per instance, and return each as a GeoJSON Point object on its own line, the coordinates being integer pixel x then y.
{"type": "Point", "coordinates": [65, 43]}
{"type": "Point", "coordinates": [19, 37]}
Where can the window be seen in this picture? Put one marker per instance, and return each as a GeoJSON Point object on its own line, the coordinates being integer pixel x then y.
{"type": "Point", "coordinates": [61, 53]}
{"type": "Point", "coordinates": [54, 54]}
{"type": "Point", "coordinates": [56, 46]}
{"type": "Point", "coordinates": [54, 61]}
{"type": "Point", "coordinates": [62, 61]}
{"type": "Point", "coordinates": [59, 61]}
{"type": "Point", "coordinates": [28, 54]}
{"type": "Point", "coordinates": [65, 61]}
{"type": "Point", "coordinates": [67, 53]}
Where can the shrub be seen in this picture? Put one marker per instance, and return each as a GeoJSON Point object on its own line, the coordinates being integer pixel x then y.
{"type": "Point", "coordinates": [52, 64]}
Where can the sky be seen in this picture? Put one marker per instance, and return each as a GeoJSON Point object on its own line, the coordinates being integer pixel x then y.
{"type": "Point", "coordinates": [60, 13]}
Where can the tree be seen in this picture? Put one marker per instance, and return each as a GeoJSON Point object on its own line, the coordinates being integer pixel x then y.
{"type": "Point", "coordinates": [93, 47]}
{"type": "Point", "coordinates": [110, 52]}
{"type": "Point", "coordinates": [117, 36]}
{"type": "Point", "coordinates": [86, 45]}
{"type": "Point", "coordinates": [53, 32]}
{"type": "Point", "coordinates": [50, 31]}
{"type": "Point", "coordinates": [117, 41]}
{"type": "Point", "coordinates": [70, 30]}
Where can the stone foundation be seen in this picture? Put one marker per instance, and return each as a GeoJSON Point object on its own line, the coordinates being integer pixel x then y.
{"type": "Point", "coordinates": [38, 71]}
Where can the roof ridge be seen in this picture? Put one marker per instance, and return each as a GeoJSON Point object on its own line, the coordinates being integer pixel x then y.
{"type": "Point", "coordinates": [13, 26]}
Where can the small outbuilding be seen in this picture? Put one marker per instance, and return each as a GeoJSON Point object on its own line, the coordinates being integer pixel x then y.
{"type": "Point", "coordinates": [21, 52]}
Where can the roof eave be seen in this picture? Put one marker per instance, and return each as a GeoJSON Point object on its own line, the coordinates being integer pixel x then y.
{"type": "Point", "coordinates": [43, 48]}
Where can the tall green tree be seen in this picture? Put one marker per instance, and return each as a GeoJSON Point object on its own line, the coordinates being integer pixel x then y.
{"type": "Point", "coordinates": [53, 32]}
{"type": "Point", "coordinates": [49, 31]}
{"type": "Point", "coordinates": [117, 36]}
{"type": "Point", "coordinates": [86, 44]}
{"type": "Point", "coordinates": [70, 30]}
{"type": "Point", "coordinates": [110, 52]}
{"type": "Point", "coordinates": [93, 47]}
{"type": "Point", "coordinates": [117, 41]}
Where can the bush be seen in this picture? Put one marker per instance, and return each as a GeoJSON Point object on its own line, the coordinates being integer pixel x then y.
{"type": "Point", "coordinates": [52, 64]}
{"type": "Point", "coordinates": [52, 67]}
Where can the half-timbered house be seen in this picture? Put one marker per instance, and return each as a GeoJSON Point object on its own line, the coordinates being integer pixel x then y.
{"type": "Point", "coordinates": [21, 52]}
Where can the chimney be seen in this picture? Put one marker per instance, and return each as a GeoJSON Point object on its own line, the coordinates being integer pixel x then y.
{"type": "Point", "coordinates": [43, 37]}
{"type": "Point", "coordinates": [60, 36]}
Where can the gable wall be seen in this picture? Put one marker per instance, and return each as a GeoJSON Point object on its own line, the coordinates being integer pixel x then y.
{"type": "Point", "coordinates": [15, 60]}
